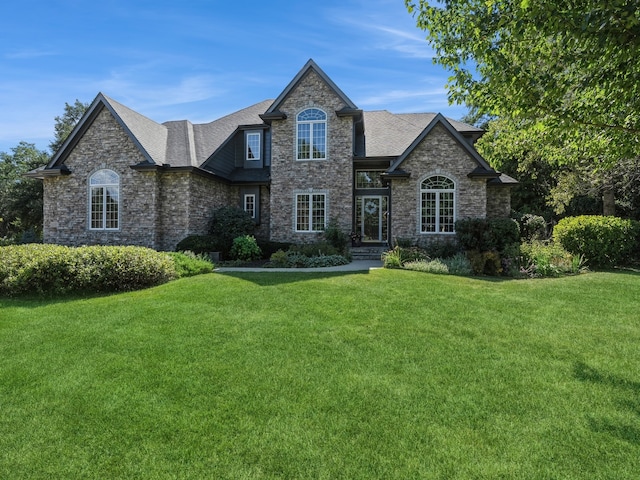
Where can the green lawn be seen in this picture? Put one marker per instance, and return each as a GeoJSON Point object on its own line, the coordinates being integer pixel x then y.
{"type": "Point", "coordinates": [390, 374]}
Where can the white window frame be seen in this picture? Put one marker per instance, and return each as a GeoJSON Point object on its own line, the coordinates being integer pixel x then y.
{"type": "Point", "coordinates": [439, 199]}
{"type": "Point", "coordinates": [311, 214]}
{"type": "Point", "coordinates": [106, 190]}
{"type": "Point", "coordinates": [249, 204]}
{"type": "Point", "coordinates": [314, 126]}
{"type": "Point", "coordinates": [249, 148]}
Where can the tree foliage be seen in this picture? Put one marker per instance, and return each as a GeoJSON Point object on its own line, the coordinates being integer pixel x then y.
{"type": "Point", "coordinates": [20, 197]}
{"type": "Point", "coordinates": [65, 123]}
{"type": "Point", "coordinates": [564, 68]}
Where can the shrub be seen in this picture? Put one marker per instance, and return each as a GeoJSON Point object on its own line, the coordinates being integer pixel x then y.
{"type": "Point", "coordinates": [293, 259]}
{"type": "Point", "coordinates": [431, 266]}
{"type": "Point", "coordinates": [540, 259]}
{"type": "Point", "coordinates": [458, 265]}
{"type": "Point", "coordinates": [269, 248]}
{"type": "Point", "coordinates": [188, 264]}
{"type": "Point", "coordinates": [245, 248]}
{"type": "Point", "coordinates": [440, 248]}
{"type": "Point", "coordinates": [398, 256]}
{"type": "Point", "coordinates": [532, 227]}
{"type": "Point", "coordinates": [228, 223]}
{"type": "Point", "coordinates": [336, 237]}
{"type": "Point", "coordinates": [604, 241]}
{"type": "Point", "coordinates": [484, 263]}
{"type": "Point", "coordinates": [315, 249]}
{"type": "Point", "coordinates": [487, 234]}
{"type": "Point", "coordinates": [198, 244]}
{"type": "Point", "coordinates": [54, 269]}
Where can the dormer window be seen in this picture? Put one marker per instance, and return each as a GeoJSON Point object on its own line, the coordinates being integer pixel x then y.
{"type": "Point", "coordinates": [253, 146]}
{"type": "Point", "coordinates": [311, 135]}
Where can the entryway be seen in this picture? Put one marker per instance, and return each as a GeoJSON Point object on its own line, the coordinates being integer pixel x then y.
{"type": "Point", "coordinates": [372, 218]}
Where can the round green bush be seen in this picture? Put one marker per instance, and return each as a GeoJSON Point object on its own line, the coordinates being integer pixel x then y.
{"type": "Point", "coordinates": [604, 241]}
{"type": "Point", "coordinates": [245, 248]}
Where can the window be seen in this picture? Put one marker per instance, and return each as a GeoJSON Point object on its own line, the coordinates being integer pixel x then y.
{"type": "Point", "coordinates": [310, 212]}
{"type": "Point", "coordinates": [253, 146]}
{"type": "Point", "coordinates": [369, 179]}
{"type": "Point", "coordinates": [312, 134]}
{"type": "Point", "coordinates": [104, 200]}
{"type": "Point", "coordinates": [437, 208]}
{"type": "Point", "coordinates": [250, 204]}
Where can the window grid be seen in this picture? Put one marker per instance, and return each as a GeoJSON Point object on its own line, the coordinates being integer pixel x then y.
{"type": "Point", "coordinates": [437, 205]}
{"type": "Point", "coordinates": [310, 212]}
{"type": "Point", "coordinates": [253, 146]}
{"type": "Point", "coordinates": [312, 135]}
{"type": "Point", "coordinates": [104, 200]}
{"type": "Point", "coordinates": [250, 205]}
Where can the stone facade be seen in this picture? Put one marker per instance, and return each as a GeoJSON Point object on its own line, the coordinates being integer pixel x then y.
{"type": "Point", "coordinates": [157, 208]}
{"type": "Point", "coordinates": [333, 176]}
{"type": "Point", "coordinates": [160, 204]}
{"type": "Point", "coordinates": [437, 154]}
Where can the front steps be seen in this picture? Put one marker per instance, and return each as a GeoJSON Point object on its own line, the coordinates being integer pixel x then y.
{"type": "Point", "coordinates": [368, 252]}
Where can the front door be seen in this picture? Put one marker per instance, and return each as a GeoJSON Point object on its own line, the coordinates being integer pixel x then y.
{"type": "Point", "coordinates": [371, 217]}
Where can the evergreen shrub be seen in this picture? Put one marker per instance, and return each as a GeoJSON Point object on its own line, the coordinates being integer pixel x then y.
{"type": "Point", "coordinates": [228, 223]}
{"type": "Point", "coordinates": [604, 241]}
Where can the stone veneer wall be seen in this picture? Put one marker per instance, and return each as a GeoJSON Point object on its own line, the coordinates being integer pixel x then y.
{"type": "Point", "coordinates": [157, 209]}
{"type": "Point", "coordinates": [498, 202]}
{"type": "Point", "coordinates": [66, 216]}
{"type": "Point", "coordinates": [333, 176]}
{"type": "Point", "coordinates": [437, 154]}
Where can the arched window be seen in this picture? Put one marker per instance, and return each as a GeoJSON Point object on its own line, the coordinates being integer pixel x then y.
{"type": "Point", "coordinates": [312, 134]}
{"type": "Point", "coordinates": [104, 200]}
{"type": "Point", "coordinates": [437, 205]}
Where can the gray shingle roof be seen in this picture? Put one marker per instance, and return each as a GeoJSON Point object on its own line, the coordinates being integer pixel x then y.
{"type": "Point", "coordinates": [390, 134]}
{"type": "Point", "coordinates": [181, 143]}
{"type": "Point", "coordinates": [151, 135]}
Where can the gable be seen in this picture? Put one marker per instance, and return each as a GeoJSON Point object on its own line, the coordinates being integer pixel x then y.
{"type": "Point", "coordinates": [273, 112]}
{"type": "Point", "coordinates": [480, 167]}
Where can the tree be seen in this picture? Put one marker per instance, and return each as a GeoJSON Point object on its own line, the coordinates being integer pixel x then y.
{"type": "Point", "coordinates": [64, 124]}
{"type": "Point", "coordinates": [20, 197]}
{"type": "Point", "coordinates": [562, 68]}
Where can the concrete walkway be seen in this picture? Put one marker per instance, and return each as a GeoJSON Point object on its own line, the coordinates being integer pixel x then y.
{"type": "Point", "coordinates": [355, 266]}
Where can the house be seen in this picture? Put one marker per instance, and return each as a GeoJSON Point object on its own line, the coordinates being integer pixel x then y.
{"type": "Point", "coordinates": [292, 163]}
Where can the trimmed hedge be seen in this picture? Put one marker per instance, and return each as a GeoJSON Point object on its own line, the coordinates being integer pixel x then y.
{"type": "Point", "coordinates": [55, 269]}
{"type": "Point", "coordinates": [604, 241]}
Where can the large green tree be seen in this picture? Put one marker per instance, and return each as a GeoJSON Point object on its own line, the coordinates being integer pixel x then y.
{"type": "Point", "coordinates": [21, 197]}
{"type": "Point", "coordinates": [562, 69]}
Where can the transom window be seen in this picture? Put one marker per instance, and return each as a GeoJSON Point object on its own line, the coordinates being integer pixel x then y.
{"type": "Point", "coordinates": [253, 146]}
{"type": "Point", "coordinates": [104, 200]}
{"type": "Point", "coordinates": [437, 205]}
{"type": "Point", "coordinates": [312, 134]}
{"type": "Point", "coordinates": [369, 179]}
{"type": "Point", "coordinates": [311, 212]}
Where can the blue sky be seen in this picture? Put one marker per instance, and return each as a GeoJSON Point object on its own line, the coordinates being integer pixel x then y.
{"type": "Point", "coordinates": [199, 60]}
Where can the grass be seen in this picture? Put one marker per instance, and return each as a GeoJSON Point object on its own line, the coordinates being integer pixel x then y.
{"type": "Point", "coordinates": [391, 374]}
